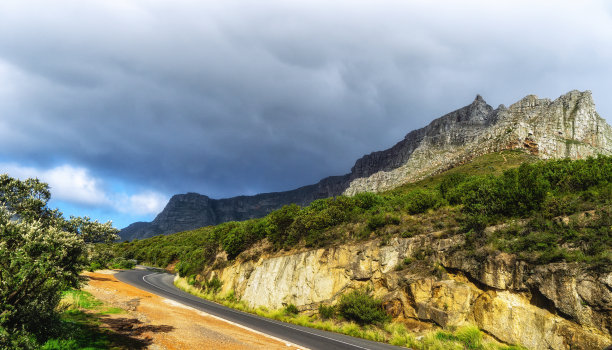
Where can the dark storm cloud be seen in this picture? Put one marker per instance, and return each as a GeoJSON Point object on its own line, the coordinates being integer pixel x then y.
{"type": "Point", "coordinates": [226, 98]}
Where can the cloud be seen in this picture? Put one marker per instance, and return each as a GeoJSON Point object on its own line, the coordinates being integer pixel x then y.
{"type": "Point", "coordinates": [77, 186]}
{"type": "Point", "coordinates": [238, 97]}
{"type": "Point", "coordinates": [143, 203]}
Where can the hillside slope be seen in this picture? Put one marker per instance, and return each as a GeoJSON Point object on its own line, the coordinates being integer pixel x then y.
{"type": "Point", "coordinates": [568, 127]}
{"type": "Point", "coordinates": [519, 247]}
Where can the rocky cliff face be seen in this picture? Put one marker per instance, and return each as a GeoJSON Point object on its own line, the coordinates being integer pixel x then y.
{"type": "Point", "coordinates": [456, 128]}
{"type": "Point", "coordinates": [553, 306]}
{"type": "Point", "coordinates": [566, 127]}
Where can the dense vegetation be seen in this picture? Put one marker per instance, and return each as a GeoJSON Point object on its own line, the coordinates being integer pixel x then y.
{"type": "Point", "coordinates": [41, 255]}
{"type": "Point", "coordinates": [362, 308]}
{"type": "Point", "coordinates": [488, 191]}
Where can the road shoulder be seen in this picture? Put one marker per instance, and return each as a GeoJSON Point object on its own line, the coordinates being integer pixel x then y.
{"type": "Point", "coordinates": [167, 325]}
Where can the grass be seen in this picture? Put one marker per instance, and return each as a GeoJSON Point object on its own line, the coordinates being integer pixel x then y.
{"type": "Point", "coordinates": [80, 324]}
{"type": "Point", "coordinates": [491, 163]}
{"type": "Point", "coordinates": [77, 300]}
{"type": "Point", "coordinates": [394, 333]}
{"type": "Point", "coordinates": [80, 330]}
{"type": "Point", "coordinates": [112, 311]}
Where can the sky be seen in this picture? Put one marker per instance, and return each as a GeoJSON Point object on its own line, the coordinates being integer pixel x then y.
{"type": "Point", "coordinates": [118, 105]}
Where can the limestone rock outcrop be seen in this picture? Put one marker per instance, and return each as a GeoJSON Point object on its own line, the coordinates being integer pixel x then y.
{"type": "Point", "coordinates": [551, 306]}
{"type": "Point", "coordinates": [566, 127]}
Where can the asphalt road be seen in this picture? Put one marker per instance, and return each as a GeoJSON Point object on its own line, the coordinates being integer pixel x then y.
{"type": "Point", "coordinates": [161, 283]}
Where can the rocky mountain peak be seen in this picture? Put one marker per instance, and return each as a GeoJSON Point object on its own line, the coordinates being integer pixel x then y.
{"type": "Point", "coordinates": [572, 99]}
{"type": "Point", "coordinates": [478, 111]}
{"type": "Point", "coordinates": [568, 127]}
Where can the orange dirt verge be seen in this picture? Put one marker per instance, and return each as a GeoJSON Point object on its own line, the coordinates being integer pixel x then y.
{"type": "Point", "coordinates": [153, 322]}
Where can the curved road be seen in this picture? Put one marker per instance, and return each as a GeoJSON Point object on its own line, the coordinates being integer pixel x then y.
{"type": "Point", "coordinates": [161, 283]}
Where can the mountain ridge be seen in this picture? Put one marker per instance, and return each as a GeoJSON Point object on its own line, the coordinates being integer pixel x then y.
{"type": "Point", "coordinates": [192, 210]}
{"type": "Point", "coordinates": [566, 127]}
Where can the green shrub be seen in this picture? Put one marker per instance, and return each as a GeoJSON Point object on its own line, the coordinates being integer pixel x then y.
{"type": "Point", "coordinates": [213, 285]}
{"type": "Point", "coordinates": [235, 237]}
{"type": "Point", "coordinates": [402, 264]}
{"type": "Point", "coordinates": [578, 175]}
{"type": "Point", "coordinates": [93, 266]}
{"type": "Point", "coordinates": [234, 242]}
{"type": "Point", "coordinates": [367, 200]}
{"type": "Point", "coordinates": [479, 195]}
{"type": "Point", "coordinates": [516, 192]}
{"type": "Point", "coordinates": [122, 263]}
{"type": "Point", "coordinates": [448, 184]}
{"type": "Point", "coordinates": [381, 220]}
{"type": "Point", "coordinates": [37, 264]}
{"type": "Point", "coordinates": [526, 189]}
{"type": "Point", "coordinates": [319, 216]}
{"type": "Point", "coordinates": [17, 339]}
{"type": "Point", "coordinates": [327, 311]}
{"type": "Point", "coordinates": [191, 280]}
{"type": "Point", "coordinates": [362, 308]}
{"type": "Point", "coordinates": [376, 221]}
{"type": "Point", "coordinates": [191, 264]}
{"type": "Point", "coordinates": [279, 222]}
{"type": "Point", "coordinates": [420, 200]}
{"type": "Point", "coordinates": [291, 309]}
{"type": "Point", "coordinates": [100, 255]}
{"type": "Point", "coordinates": [475, 222]}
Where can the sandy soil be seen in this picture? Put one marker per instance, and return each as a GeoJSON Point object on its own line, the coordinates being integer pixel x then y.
{"type": "Point", "coordinates": [153, 322]}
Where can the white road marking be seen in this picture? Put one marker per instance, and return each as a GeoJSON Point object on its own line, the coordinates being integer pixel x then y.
{"type": "Point", "coordinates": [176, 303]}
{"type": "Point", "coordinates": [245, 327]}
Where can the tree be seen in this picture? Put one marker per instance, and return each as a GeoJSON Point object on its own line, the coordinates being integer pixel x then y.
{"type": "Point", "coordinates": [41, 254]}
{"type": "Point", "coordinates": [28, 200]}
{"type": "Point", "coordinates": [36, 264]}
{"type": "Point", "coordinates": [92, 231]}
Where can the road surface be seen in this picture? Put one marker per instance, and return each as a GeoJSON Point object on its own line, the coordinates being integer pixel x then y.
{"type": "Point", "coordinates": [162, 284]}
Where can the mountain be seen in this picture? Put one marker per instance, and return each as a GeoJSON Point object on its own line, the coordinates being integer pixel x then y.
{"type": "Point", "coordinates": [568, 127]}
{"type": "Point", "coordinates": [191, 210]}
